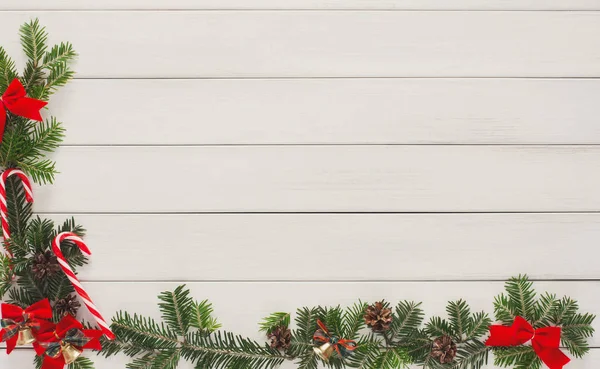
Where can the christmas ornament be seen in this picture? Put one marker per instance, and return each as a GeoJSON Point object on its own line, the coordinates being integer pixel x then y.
{"type": "Point", "coordinates": [44, 265]}
{"type": "Point", "coordinates": [443, 349]}
{"type": "Point", "coordinates": [378, 317]}
{"type": "Point", "coordinates": [20, 326]}
{"type": "Point", "coordinates": [63, 345]}
{"type": "Point", "coordinates": [68, 305]}
{"type": "Point", "coordinates": [15, 101]}
{"type": "Point", "coordinates": [3, 206]}
{"type": "Point", "coordinates": [75, 282]}
{"type": "Point", "coordinates": [331, 343]}
{"type": "Point", "coordinates": [545, 341]}
{"type": "Point", "coordinates": [281, 337]}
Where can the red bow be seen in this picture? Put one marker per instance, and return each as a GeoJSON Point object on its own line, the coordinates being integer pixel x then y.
{"type": "Point", "coordinates": [545, 341]}
{"type": "Point", "coordinates": [59, 334]}
{"type": "Point", "coordinates": [15, 101]}
{"type": "Point", "coordinates": [323, 335]}
{"type": "Point", "coordinates": [14, 318]}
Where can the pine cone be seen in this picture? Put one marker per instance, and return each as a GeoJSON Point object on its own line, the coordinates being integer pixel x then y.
{"type": "Point", "coordinates": [378, 317]}
{"type": "Point", "coordinates": [280, 338]}
{"type": "Point", "coordinates": [68, 305]}
{"type": "Point", "coordinates": [443, 349]}
{"type": "Point", "coordinates": [45, 265]}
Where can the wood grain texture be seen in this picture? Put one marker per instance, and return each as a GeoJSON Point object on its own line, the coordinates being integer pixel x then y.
{"type": "Point", "coordinates": [303, 4]}
{"type": "Point", "coordinates": [241, 246]}
{"type": "Point", "coordinates": [330, 111]}
{"type": "Point", "coordinates": [324, 179]}
{"type": "Point", "coordinates": [324, 44]}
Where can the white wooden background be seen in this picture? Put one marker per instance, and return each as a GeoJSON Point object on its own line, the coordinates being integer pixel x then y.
{"type": "Point", "coordinates": [275, 153]}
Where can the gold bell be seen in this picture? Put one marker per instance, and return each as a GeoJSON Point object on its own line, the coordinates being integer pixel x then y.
{"type": "Point", "coordinates": [70, 353]}
{"type": "Point", "coordinates": [324, 351]}
{"type": "Point", "coordinates": [25, 337]}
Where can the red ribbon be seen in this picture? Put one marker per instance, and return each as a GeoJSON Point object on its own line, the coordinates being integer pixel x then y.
{"type": "Point", "coordinates": [336, 342]}
{"type": "Point", "coordinates": [545, 341]}
{"type": "Point", "coordinates": [15, 101]}
{"type": "Point", "coordinates": [34, 317]}
{"type": "Point", "coordinates": [58, 334]}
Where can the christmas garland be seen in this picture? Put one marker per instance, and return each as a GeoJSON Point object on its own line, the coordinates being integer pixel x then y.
{"type": "Point", "coordinates": [39, 285]}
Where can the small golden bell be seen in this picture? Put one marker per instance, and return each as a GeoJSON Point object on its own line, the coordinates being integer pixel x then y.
{"type": "Point", "coordinates": [25, 337]}
{"type": "Point", "coordinates": [70, 353]}
{"type": "Point", "coordinates": [324, 351]}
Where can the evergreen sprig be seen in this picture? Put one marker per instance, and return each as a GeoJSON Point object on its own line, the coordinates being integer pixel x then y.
{"type": "Point", "coordinates": [521, 299]}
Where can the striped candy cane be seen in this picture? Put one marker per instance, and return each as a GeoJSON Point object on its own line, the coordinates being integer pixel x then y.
{"type": "Point", "coordinates": [75, 282]}
{"type": "Point", "coordinates": [3, 207]}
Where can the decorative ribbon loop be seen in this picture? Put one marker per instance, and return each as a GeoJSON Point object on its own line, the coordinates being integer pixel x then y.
{"type": "Point", "coordinates": [14, 319]}
{"type": "Point", "coordinates": [341, 345]}
{"type": "Point", "coordinates": [545, 341]}
{"type": "Point", "coordinates": [74, 337]}
{"type": "Point", "coordinates": [15, 101]}
{"type": "Point", "coordinates": [69, 331]}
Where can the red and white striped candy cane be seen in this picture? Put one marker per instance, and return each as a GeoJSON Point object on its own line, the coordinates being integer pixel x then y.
{"type": "Point", "coordinates": [3, 207]}
{"type": "Point", "coordinates": [75, 281]}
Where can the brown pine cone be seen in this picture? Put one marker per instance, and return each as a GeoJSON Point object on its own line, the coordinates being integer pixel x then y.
{"type": "Point", "coordinates": [45, 265]}
{"type": "Point", "coordinates": [443, 349]}
{"type": "Point", "coordinates": [378, 317]}
{"type": "Point", "coordinates": [68, 305]}
{"type": "Point", "coordinates": [281, 337]}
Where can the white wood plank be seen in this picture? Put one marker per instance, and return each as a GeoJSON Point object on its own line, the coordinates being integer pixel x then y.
{"type": "Point", "coordinates": [331, 44]}
{"type": "Point", "coordinates": [303, 4]}
{"type": "Point", "coordinates": [22, 359]}
{"type": "Point", "coordinates": [324, 178]}
{"type": "Point", "coordinates": [323, 111]}
{"type": "Point", "coordinates": [260, 299]}
{"type": "Point", "coordinates": [240, 245]}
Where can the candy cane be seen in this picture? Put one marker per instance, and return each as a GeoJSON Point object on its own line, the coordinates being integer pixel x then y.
{"type": "Point", "coordinates": [75, 282]}
{"type": "Point", "coordinates": [3, 207]}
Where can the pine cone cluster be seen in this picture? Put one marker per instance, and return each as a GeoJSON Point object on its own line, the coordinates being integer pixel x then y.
{"type": "Point", "coordinates": [378, 317]}
{"type": "Point", "coordinates": [281, 337]}
{"type": "Point", "coordinates": [68, 305]}
{"type": "Point", "coordinates": [443, 349]}
{"type": "Point", "coordinates": [45, 265]}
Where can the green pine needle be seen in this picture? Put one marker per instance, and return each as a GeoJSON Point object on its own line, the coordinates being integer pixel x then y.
{"type": "Point", "coordinates": [275, 320]}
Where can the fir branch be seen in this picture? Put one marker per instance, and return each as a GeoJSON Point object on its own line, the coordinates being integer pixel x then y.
{"type": "Point", "coordinates": [353, 320]}
{"type": "Point", "coordinates": [82, 363]}
{"type": "Point", "coordinates": [177, 309]}
{"type": "Point", "coordinates": [33, 40]}
{"type": "Point", "coordinates": [472, 355]}
{"type": "Point", "coordinates": [409, 317]}
{"type": "Point", "coordinates": [460, 317]}
{"type": "Point", "coordinates": [143, 331]}
{"type": "Point", "coordinates": [6, 275]}
{"type": "Point", "coordinates": [8, 71]}
{"type": "Point", "coordinates": [273, 321]}
{"type": "Point", "coordinates": [480, 323]}
{"type": "Point", "coordinates": [61, 53]}
{"type": "Point", "coordinates": [503, 310]}
{"type": "Point", "coordinates": [543, 309]}
{"type": "Point", "coordinates": [202, 317]}
{"type": "Point", "coordinates": [223, 350]}
{"type": "Point", "coordinates": [521, 297]}
{"type": "Point", "coordinates": [418, 345]}
{"type": "Point", "coordinates": [437, 327]}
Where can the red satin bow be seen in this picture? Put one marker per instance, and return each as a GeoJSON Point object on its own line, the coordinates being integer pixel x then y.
{"type": "Point", "coordinates": [33, 317]}
{"type": "Point", "coordinates": [15, 101]}
{"type": "Point", "coordinates": [347, 345]}
{"type": "Point", "coordinates": [545, 341]}
{"type": "Point", "coordinates": [58, 334]}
